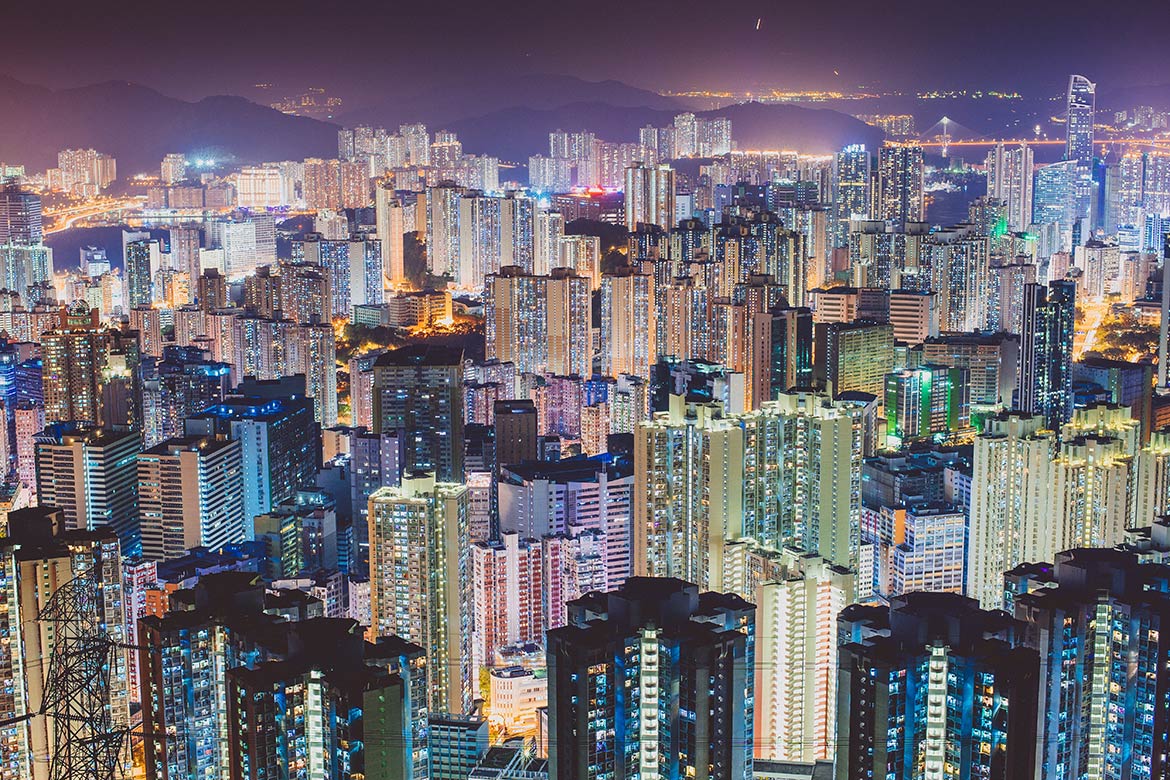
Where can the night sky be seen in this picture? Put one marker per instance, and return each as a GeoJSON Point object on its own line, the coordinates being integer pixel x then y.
{"type": "Point", "coordinates": [372, 47]}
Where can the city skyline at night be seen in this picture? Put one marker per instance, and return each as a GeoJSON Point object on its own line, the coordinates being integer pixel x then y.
{"type": "Point", "coordinates": [633, 391]}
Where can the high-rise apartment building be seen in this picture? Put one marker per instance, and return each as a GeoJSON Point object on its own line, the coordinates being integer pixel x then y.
{"type": "Point", "coordinates": [1046, 344]}
{"type": "Point", "coordinates": [1099, 715]}
{"type": "Point", "coordinates": [234, 685]}
{"type": "Point", "coordinates": [662, 639]}
{"type": "Point", "coordinates": [1009, 179]}
{"type": "Point", "coordinates": [91, 476]}
{"type": "Point", "coordinates": [852, 190]}
{"type": "Point", "coordinates": [280, 443]}
{"type": "Point", "coordinates": [420, 580]}
{"type": "Point", "coordinates": [77, 366]}
{"type": "Point", "coordinates": [627, 323]}
{"type": "Point", "coordinates": [508, 593]}
{"type": "Point", "coordinates": [542, 324]}
{"type": "Point", "coordinates": [787, 474]}
{"type": "Point", "coordinates": [418, 393]}
{"type": "Point", "coordinates": [797, 597]}
{"type": "Point", "coordinates": [933, 686]}
{"type": "Point", "coordinates": [190, 494]}
{"type": "Point", "coordinates": [1010, 489]}
{"type": "Point", "coordinates": [41, 559]}
{"type": "Point", "coordinates": [649, 191]}
{"type": "Point", "coordinates": [901, 188]}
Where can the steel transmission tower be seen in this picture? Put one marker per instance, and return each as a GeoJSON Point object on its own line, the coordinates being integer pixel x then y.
{"type": "Point", "coordinates": [86, 745]}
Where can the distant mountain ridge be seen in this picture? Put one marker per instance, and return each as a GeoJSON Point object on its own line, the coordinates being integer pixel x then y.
{"type": "Point", "coordinates": [139, 126]}
{"type": "Point", "coordinates": [458, 101]}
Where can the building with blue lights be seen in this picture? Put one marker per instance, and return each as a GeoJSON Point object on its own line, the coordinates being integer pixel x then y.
{"type": "Point", "coordinates": [279, 444]}
{"type": "Point", "coordinates": [934, 687]}
{"type": "Point", "coordinates": [652, 680]}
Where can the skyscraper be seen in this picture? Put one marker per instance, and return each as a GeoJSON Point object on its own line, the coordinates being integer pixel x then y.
{"type": "Point", "coordinates": [788, 474]}
{"type": "Point", "coordinates": [76, 356]}
{"type": "Point", "coordinates": [190, 494]}
{"type": "Point", "coordinates": [280, 444]}
{"type": "Point", "coordinates": [797, 596]}
{"type": "Point", "coordinates": [141, 261]}
{"type": "Point", "coordinates": [933, 686]}
{"type": "Point", "coordinates": [1010, 488]}
{"type": "Point", "coordinates": [1099, 621]}
{"type": "Point", "coordinates": [669, 644]}
{"type": "Point", "coordinates": [418, 393]}
{"type": "Point", "coordinates": [627, 323]}
{"type": "Point", "coordinates": [1046, 344]}
{"type": "Point", "coordinates": [20, 217]}
{"type": "Point", "coordinates": [1009, 179]}
{"type": "Point", "coordinates": [901, 194]}
{"type": "Point", "coordinates": [391, 228]}
{"type": "Point", "coordinates": [852, 189]}
{"type": "Point", "coordinates": [229, 686]}
{"type": "Point", "coordinates": [649, 195]}
{"type": "Point", "coordinates": [1081, 100]}
{"type": "Point", "coordinates": [508, 593]}
{"type": "Point", "coordinates": [92, 477]}
{"type": "Point", "coordinates": [40, 559]}
{"type": "Point", "coordinates": [541, 324]}
{"type": "Point", "coordinates": [420, 580]}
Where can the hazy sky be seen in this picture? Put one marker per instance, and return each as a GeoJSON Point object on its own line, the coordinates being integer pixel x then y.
{"type": "Point", "coordinates": [379, 47]}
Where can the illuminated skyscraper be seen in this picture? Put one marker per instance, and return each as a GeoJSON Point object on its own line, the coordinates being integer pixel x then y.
{"type": "Point", "coordinates": [649, 195]}
{"type": "Point", "coordinates": [76, 366]}
{"type": "Point", "coordinates": [279, 443]}
{"type": "Point", "coordinates": [957, 263]}
{"type": "Point", "coordinates": [901, 194]}
{"type": "Point", "coordinates": [627, 323]}
{"type": "Point", "coordinates": [420, 584]}
{"type": "Point", "coordinates": [92, 477]}
{"type": "Point", "coordinates": [418, 394]}
{"type": "Point", "coordinates": [1099, 715]}
{"type": "Point", "coordinates": [1009, 178]}
{"type": "Point", "coordinates": [854, 357]}
{"type": "Point", "coordinates": [1010, 488]}
{"type": "Point", "coordinates": [546, 241]}
{"type": "Point", "coordinates": [540, 323]}
{"type": "Point", "coordinates": [797, 597]}
{"type": "Point", "coordinates": [927, 402]}
{"type": "Point", "coordinates": [788, 474]}
{"type": "Point", "coordinates": [852, 189]}
{"type": "Point", "coordinates": [1092, 484]}
{"type": "Point", "coordinates": [229, 686]}
{"type": "Point", "coordinates": [507, 586]}
{"type": "Point", "coordinates": [20, 217]}
{"type": "Point", "coordinates": [567, 499]}
{"type": "Point", "coordinates": [392, 228]}
{"type": "Point", "coordinates": [190, 494]}
{"type": "Point", "coordinates": [1046, 343]}
{"type": "Point", "coordinates": [662, 639]}
{"type": "Point", "coordinates": [1082, 97]}
{"type": "Point", "coordinates": [141, 262]}
{"type": "Point", "coordinates": [933, 686]}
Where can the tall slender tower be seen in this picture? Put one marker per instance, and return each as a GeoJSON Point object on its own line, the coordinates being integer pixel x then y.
{"type": "Point", "coordinates": [1045, 382]}
{"type": "Point", "coordinates": [1082, 96]}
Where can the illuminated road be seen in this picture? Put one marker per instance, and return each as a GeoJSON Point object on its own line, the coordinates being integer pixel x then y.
{"type": "Point", "coordinates": [1087, 326]}
{"type": "Point", "coordinates": [63, 219]}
